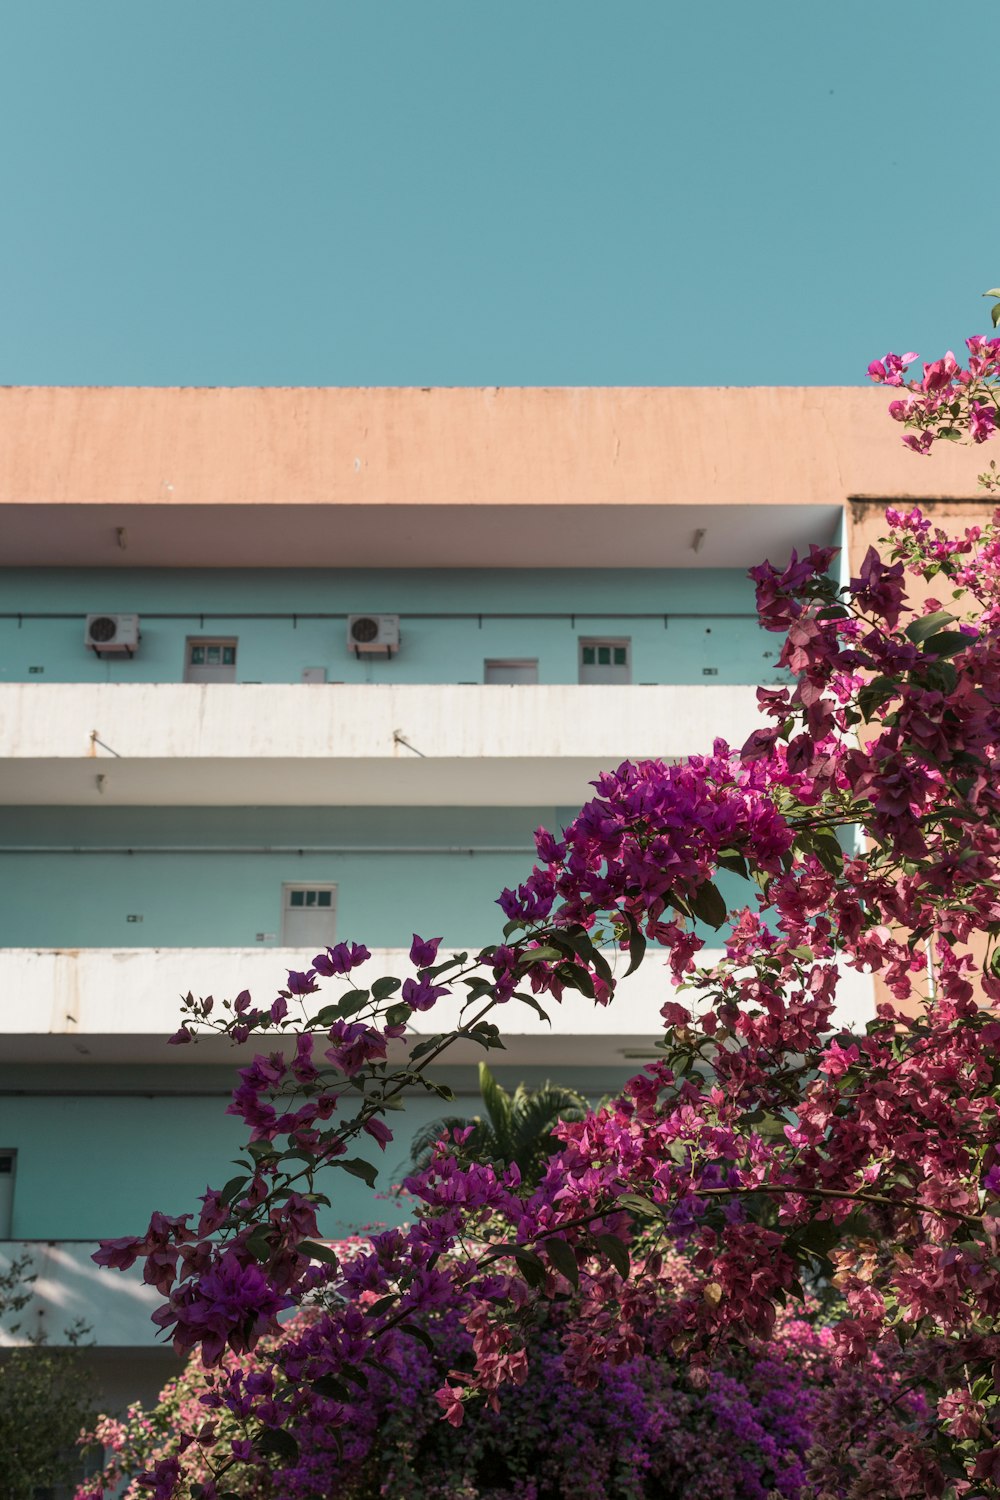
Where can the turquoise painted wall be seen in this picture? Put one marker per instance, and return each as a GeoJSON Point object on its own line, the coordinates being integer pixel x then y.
{"type": "Point", "coordinates": [192, 900]}
{"type": "Point", "coordinates": [224, 900]}
{"type": "Point", "coordinates": [682, 650]}
{"type": "Point", "coordinates": [94, 1161]}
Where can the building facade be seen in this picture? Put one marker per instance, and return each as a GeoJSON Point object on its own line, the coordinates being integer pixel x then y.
{"type": "Point", "coordinates": [280, 668]}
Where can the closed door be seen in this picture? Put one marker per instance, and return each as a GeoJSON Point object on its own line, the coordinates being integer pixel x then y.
{"type": "Point", "coordinates": [309, 916]}
{"type": "Point", "coordinates": [210, 660]}
{"type": "Point", "coordinates": [606, 661]}
{"type": "Point", "coordinates": [524, 669]}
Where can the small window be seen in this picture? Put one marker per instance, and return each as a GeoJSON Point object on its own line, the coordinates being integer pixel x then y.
{"type": "Point", "coordinates": [511, 670]}
{"type": "Point", "coordinates": [606, 661]}
{"type": "Point", "coordinates": [210, 660]}
{"type": "Point", "coordinates": [308, 916]}
{"type": "Point", "coordinates": [8, 1161]}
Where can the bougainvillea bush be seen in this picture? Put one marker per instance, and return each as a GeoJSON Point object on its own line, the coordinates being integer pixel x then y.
{"type": "Point", "coordinates": [770, 1146]}
{"type": "Point", "coordinates": [780, 1418]}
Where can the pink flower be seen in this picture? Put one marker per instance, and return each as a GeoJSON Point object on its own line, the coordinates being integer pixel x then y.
{"type": "Point", "coordinates": [379, 1132]}
{"type": "Point", "coordinates": [449, 1398]}
{"type": "Point", "coordinates": [981, 421]}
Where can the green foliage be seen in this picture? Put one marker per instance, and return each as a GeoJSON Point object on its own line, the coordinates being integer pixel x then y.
{"type": "Point", "coordinates": [517, 1127]}
{"type": "Point", "coordinates": [46, 1400]}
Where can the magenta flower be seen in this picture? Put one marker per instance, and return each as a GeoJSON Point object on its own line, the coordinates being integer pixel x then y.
{"type": "Point", "coordinates": [340, 960]}
{"type": "Point", "coordinates": [379, 1132]}
{"type": "Point", "coordinates": [119, 1254]}
{"type": "Point", "coordinates": [423, 951]}
{"type": "Point", "coordinates": [420, 994]}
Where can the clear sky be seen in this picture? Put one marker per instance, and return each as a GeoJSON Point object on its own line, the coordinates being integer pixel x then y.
{"type": "Point", "coordinates": [519, 192]}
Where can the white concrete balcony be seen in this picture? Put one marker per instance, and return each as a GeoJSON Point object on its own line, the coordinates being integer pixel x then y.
{"type": "Point", "coordinates": [110, 1005]}
{"type": "Point", "coordinates": [68, 1289]}
{"type": "Point", "coordinates": [150, 744]}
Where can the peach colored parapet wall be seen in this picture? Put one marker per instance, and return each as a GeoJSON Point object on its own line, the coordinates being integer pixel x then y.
{"type": "Point", "coordinates": [588, 446]}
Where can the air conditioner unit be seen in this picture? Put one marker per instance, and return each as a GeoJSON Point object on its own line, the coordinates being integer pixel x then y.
{"type": "Point", "coordinates": [373, 635]}
{"type": "Point", "coordinates": [112, 635]}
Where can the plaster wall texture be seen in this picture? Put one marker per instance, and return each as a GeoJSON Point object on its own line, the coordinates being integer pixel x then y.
{"type": "Point", "coordinates": [682, 626]}
{"type": "Point", "coordinates": [466, 447]}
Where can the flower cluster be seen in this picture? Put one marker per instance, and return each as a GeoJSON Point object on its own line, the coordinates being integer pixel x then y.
{"type": "Point", "coordinates": [949, 401]}
{"type": "Point", "coordinates": [767, 1420]}
{"type": "Point", "coordinates": [861, 823]}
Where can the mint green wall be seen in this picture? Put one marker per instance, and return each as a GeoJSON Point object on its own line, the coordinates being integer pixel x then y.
{"type": "Point", "coordinates": [95, 1163]}
{"type": "Point", "coordinates": [209, 900]}
{"type": "Point", "coordinates": [224, 900]}
{"type": "Point", "coordinates": [433, 650]}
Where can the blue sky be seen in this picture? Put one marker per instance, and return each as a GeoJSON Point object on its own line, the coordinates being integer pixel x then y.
{"type": "Point", "coordinates": [455, 192]}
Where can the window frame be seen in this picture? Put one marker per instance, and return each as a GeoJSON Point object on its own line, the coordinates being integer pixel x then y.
{"type": "Point", "coordinates": [224, 642]}
{"type": "Point", "coordinates": [613, 643]}
{"type": "Point", "coordinates": [288, 887]}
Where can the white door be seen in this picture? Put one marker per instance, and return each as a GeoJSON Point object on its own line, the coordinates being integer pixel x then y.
{"type": "Point", "coordinates": [308, 916]}
{"type": "Point", "coordinates": [608, 661]}
{"type": "Point", "coordinates": [525, 669]}
{"type": "Point", "coordinates": [210, 660]}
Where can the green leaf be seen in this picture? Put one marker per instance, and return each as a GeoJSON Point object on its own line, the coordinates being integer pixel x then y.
{"type": "Point", "coordinates": [279, 1442]}
{"type": "Point", "coordinates": [318, 1252]}
{"type": "Point", "coordinates": [330, 1387]}
{"type": "Point", "coordinates": [616, 1252]}
{"type": "Point", "coordinates": [995, 314]}
{"type": "Point", "coordinates": [828, 851]}
{"type": "Point", "coordinates": [639, 1204]}
{"type": "Point", "coordinates": [919, 630]}
{"type": "Point", "coordinates": [398, 1015]}
{"type": "Point", "coordinates": [563, 1257]}
{"type": "Point", "coordinates": [734, 862]}
{"type": "Point", "coordinates": [486, 1034]}
{"type": "Point", "coordinates": [947, 643]}
{"type": "Point", "coordinates": [709, 905]}
{"type": "Point", "coordinates": [532, 1001]}
{"type": "Point", "coordinates": [383, 988]}
{"type": "Point", "coordinates": [576, 978]}
{"type": "Point", "coordinates": [358, 1167]}
{"type": "Point", "coordinates": [258, 1243]}
{"type": "Point", "coordinates": [636, 946]}
{"type": "Point", "coordinates": [530, 1265]}
{"type": "Point", "coordinates": [422, 1048]}
{"type": "Point", "coordinates": [421, 1334]}
{"type": "Point", "coordinates": [233, 1188]}
{"type": "Point", "coordinates": [875, 693]}
{"type": "Point", "coordinates": [994, 291]}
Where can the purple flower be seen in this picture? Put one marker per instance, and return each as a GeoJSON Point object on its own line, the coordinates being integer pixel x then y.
{"type": "Point", "coordinates": [299, 984]}
{"type": "Point", "coordinates": [120, 1253]}
{"type": "Point", "coordinates": [340, 960]}
{"type": "Point", "coordinates": [420, 994]}
{"type": "Point", "coordinates": [379, 1132]}
{"type": "Point", "coordinates": [423, 951]}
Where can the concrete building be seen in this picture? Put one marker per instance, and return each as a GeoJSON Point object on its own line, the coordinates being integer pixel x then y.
{"type": "Point", "coordinates": [203, 780]}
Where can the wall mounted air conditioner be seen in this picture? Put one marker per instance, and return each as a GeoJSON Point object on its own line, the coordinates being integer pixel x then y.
{"type": "Point", "coordinates": [373, 635]}
{"type": "Point", "coordinates": [112, 635]}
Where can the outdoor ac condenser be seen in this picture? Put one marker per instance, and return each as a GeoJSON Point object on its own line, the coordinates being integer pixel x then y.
{"type": "Point", "coordinates": [112, 635]}
{"type": "Point", "coordinates": [373, 635]}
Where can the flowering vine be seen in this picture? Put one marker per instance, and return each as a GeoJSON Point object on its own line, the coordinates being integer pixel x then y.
{"type": "Point", "coordinates": [772, 1148]}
